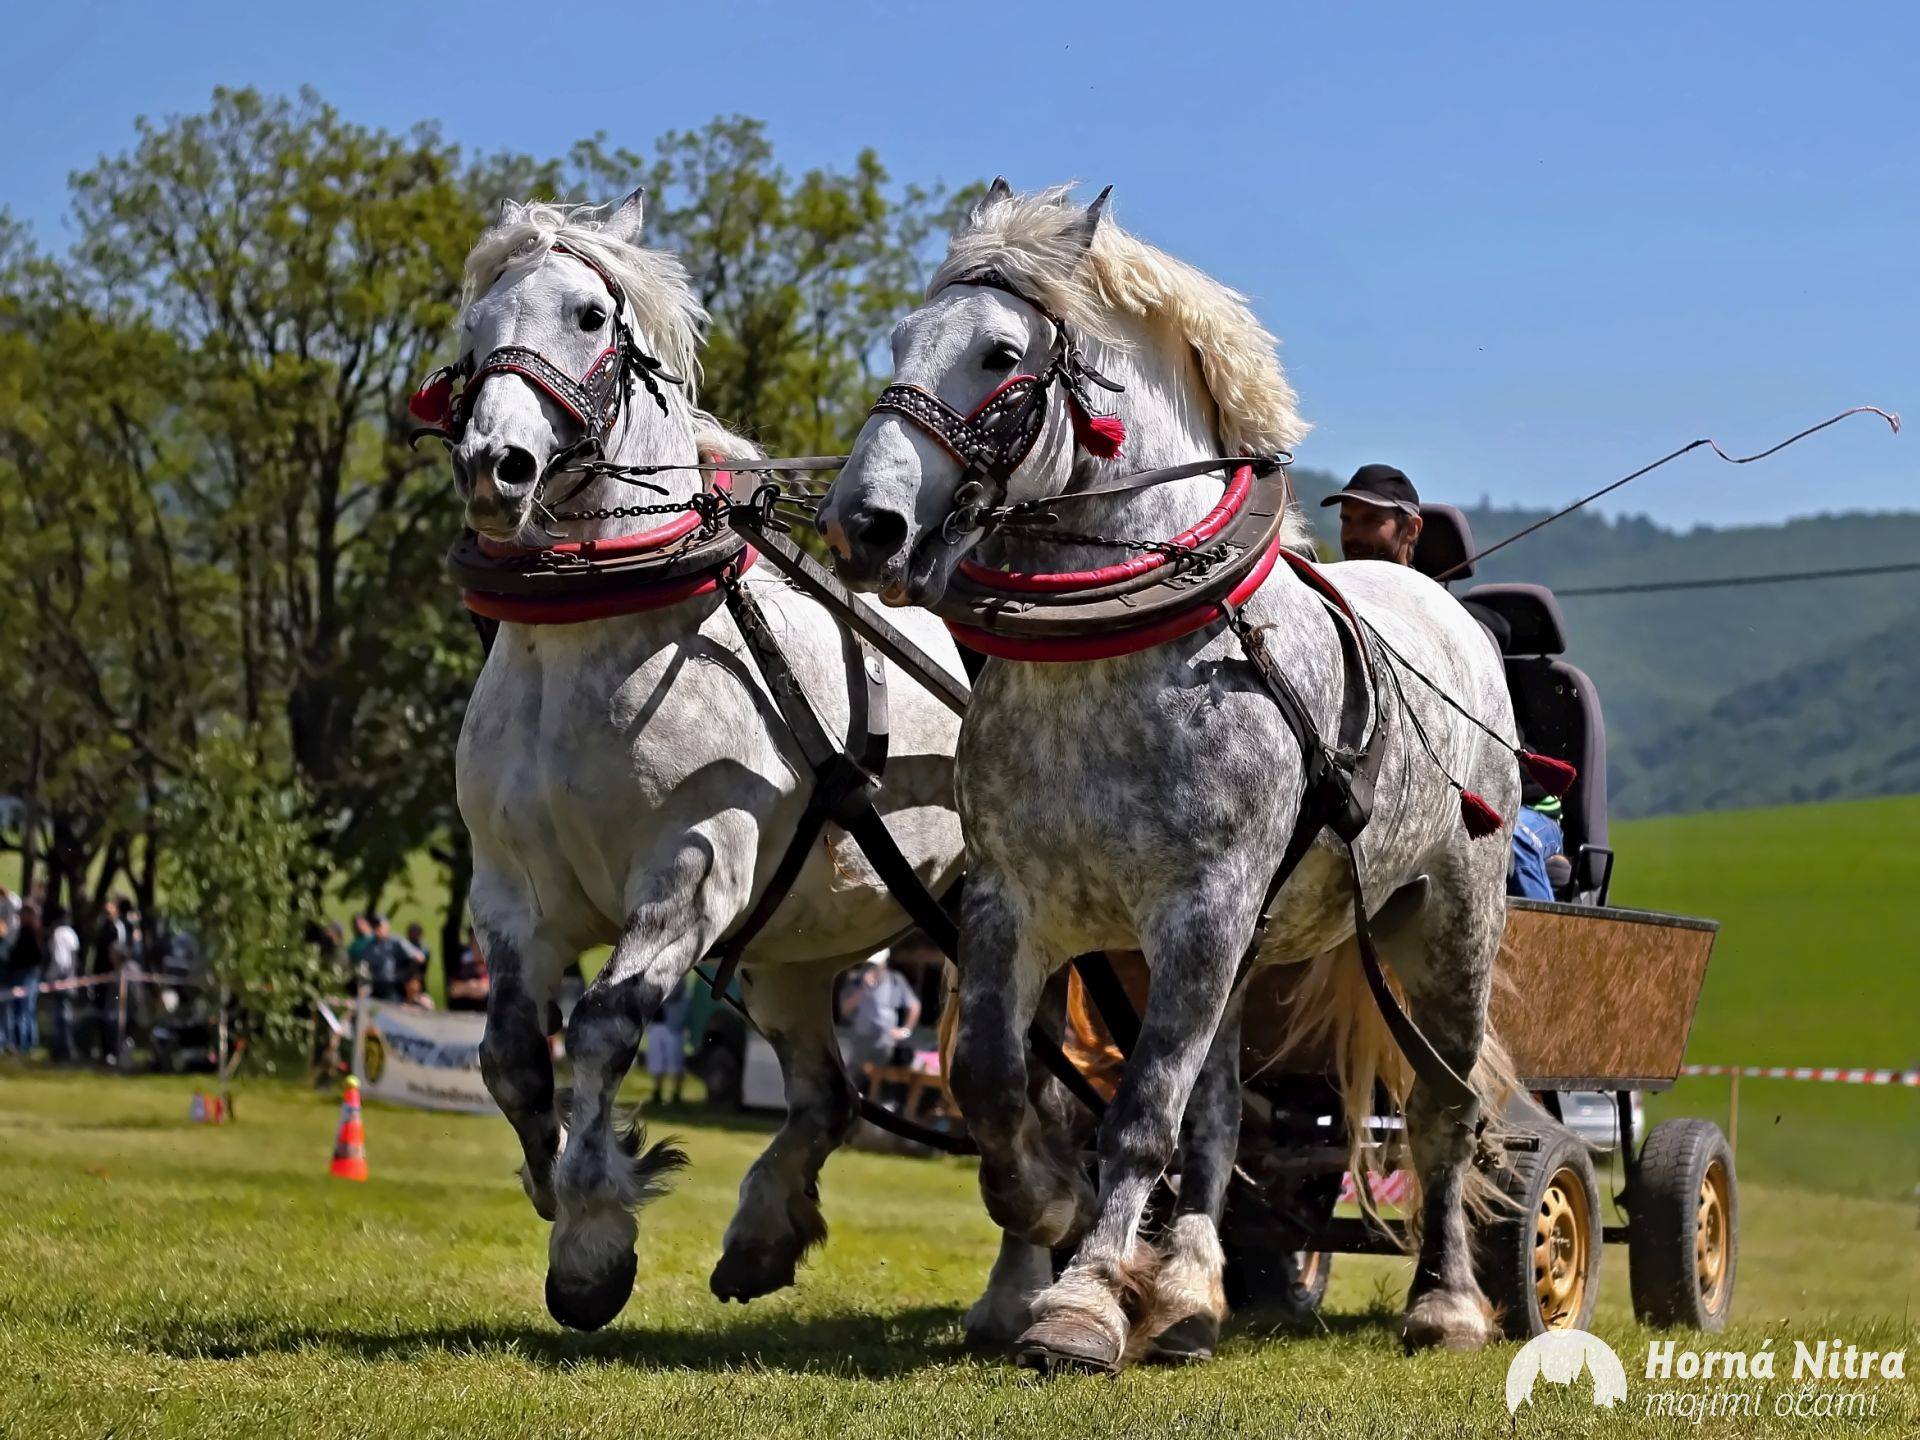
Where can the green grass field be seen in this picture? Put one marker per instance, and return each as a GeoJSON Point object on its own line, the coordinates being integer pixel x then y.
{"type": "Point", "coordinates": [162, 1278]}
{"type": "Point", "coordinates": [168, 1279]}
{"type": "Point", "coordinates": [1816, 964]}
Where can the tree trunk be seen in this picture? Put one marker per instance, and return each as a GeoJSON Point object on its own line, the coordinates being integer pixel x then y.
{"type": "Point", "coordinates": [459, 881]}
{"type": "Point", "coordinates": [30, 822]}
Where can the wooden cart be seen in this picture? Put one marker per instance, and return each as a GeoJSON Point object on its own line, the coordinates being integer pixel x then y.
{"type": "Point", "coordinates": [1589, 999]}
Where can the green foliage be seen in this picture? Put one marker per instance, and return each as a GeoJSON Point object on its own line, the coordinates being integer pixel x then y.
{"type": "Point", "coordinates": [239, 860]}
{"type": "Point", "coordinates": [203, 440]}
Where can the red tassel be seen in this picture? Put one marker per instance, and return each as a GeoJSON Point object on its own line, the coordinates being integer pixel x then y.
{"type": "Point", "coordinates": [432, 403]}
{"type": "Point", "coordinates": [1480, 818]}
{"type": "Point", "coordinates": [1556, 777]}
{"type": "Point", "coordinates": [1101, 436]}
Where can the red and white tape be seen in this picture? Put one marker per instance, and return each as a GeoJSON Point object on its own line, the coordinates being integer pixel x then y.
{"type": "Point", "coordinates": [1389, 1189]}
{"type": "Point", "coordinates": [1833, 1074]}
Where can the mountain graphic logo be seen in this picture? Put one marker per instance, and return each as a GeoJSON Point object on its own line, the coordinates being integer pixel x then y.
{"type": "Point", "coordinates": [1561, 1356]}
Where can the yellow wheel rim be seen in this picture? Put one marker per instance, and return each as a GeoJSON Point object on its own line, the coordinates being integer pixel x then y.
{"type": "Point", "coordinates": [1562, 1243]}
{"type": "Point", "coordinates": [1713, 1235]}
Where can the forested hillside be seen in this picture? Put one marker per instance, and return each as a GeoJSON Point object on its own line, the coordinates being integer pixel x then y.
{"type": "Point", "coordinates": [1744, 695]}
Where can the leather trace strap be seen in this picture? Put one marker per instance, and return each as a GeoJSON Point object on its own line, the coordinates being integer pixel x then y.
{"type": "Point", "coordinates": [1338, 796]}
{"type": "Point", "coordinates": [842, 784]}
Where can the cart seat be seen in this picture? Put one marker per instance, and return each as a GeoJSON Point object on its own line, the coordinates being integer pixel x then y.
{"type": "Point", "coordinates": [1558, 711]}
{"type": "Point", "coordinates": [1445, 540]}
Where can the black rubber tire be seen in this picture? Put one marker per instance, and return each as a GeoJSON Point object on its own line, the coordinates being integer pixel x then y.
{"type": "Point", "coordinates": [1505, 1247]}
{"type": "Point", "coordinates": [1290, 1283]}
{"type": "Point", "coordinates": [1664, 1215]}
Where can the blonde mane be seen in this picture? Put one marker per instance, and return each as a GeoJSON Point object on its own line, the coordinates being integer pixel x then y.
{"type": "Point", "coordinates": [666, 316]}
{"type": "Point", "coordinates": [1034, 240]}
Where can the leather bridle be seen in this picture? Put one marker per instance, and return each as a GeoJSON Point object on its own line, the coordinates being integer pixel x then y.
{"type": "Point", "coordinates": [595, 400]}
{"type": "Point", "coordinates": [992, 441]}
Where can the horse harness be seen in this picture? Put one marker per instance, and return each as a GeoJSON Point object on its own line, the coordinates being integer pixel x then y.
{"type": "Point", "coordinates": [1170, 589]}
{"type": "Point", "coordinates": [594, 401]}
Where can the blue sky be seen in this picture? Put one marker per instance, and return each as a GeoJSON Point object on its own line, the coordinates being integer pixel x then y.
{"type": "Point", "coordinates": [1517, 250]}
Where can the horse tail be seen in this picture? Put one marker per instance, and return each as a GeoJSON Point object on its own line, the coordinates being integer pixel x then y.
{"type": "Point", "coordinates": [1332, 1015]}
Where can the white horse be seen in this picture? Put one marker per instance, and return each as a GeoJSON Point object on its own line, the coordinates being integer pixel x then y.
{"type": "Point", "coordinates": [629, 781]}
{"type": "Point", "coordinates": [1143, 801]}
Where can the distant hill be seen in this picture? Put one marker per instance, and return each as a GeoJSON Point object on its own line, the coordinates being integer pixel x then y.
{"type": "Point", "coordinates": [1730, 697]}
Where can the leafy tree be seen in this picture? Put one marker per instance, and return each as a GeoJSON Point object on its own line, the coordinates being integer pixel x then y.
{"type": "Point", "coordinates": [202, 440]}
{"type": "Point", "coordinates": [239, 861]}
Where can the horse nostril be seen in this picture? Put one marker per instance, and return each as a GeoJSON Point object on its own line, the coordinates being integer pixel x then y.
{"type": "Point", "coordinates": [878, 533]}
{"type": "Point", "coordinates": [516, 467]}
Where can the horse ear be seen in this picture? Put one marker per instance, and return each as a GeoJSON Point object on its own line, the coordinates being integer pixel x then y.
{"type": "Point", "coordinates": [997, 191]}
{"type": "Point", "coordinates": [628, 216]}
{"type": "Point", "coordinates": [510, 212]}
{"type": "Point", "coordinates": [1089, 223]}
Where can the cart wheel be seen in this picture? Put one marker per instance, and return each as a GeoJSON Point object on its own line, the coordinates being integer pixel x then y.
{"type": "Point", "coordinates": [1540, 1262]}
{"type": "Point", "coordinates": [1683, 1227]}
{"type": "Point", "coordinates": [1289, 1282]}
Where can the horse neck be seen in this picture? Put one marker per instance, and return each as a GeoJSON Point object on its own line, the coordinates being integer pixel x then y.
{"type": "Point", "coordinates": [1170, 419]}
{"type": "Point", "coordinates": [642, 436]}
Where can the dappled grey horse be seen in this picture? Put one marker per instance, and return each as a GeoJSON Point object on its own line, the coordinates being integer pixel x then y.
{"type": "Point", "coordinates": [627, 779]}
{"type": "Point", "coordinates": [1144, 800]}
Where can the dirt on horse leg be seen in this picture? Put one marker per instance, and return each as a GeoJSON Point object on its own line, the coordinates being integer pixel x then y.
{"type": "Point", "coordinates": [1032, 1188]}
{"type": "Point", "coordinates": [1190, 1298]}
{"type": "Point", "coordinates": [1085, 1319]}
{"type": "Point", "coordinates": [779, 1219]}
{"type": "Point", "coordinates": [516, 1062]}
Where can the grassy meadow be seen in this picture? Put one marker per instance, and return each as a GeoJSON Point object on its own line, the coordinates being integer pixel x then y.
{"type": "Point", "coordinates": [167, 1279]}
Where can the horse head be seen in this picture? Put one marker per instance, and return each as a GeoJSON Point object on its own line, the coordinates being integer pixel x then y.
{"type": "Point", "coordinates": [573, 344]}
{"type": "Point", "coordinates": [979, 411]}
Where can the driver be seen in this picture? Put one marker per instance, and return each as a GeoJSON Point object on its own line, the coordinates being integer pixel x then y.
{"type": "Point", "coordinates": [1379, 515]}
{"type": "Point", "coordinates": [1380, 520]}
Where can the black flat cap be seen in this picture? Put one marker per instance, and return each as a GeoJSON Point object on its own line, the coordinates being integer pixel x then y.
{"type": "Point", "coordinates": [1379, 485]}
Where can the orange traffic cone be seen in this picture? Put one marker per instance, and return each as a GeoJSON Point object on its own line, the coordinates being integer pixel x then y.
{"type": "Point", "coordinates": [350, 1145]}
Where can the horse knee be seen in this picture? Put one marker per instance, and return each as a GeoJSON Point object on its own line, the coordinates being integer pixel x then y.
{"type": "Point", "coordinates": [604, 1029]}
{"type": "Point", "coordinates": [990, 1088]}
{"type": "Point", "coordinates": [516, 1065]}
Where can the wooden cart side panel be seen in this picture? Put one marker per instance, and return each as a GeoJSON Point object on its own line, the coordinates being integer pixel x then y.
{"type": "Point", "coordinates": [1584, 993]}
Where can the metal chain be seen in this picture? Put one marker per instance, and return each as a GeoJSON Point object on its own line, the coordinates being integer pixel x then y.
{"type": "Point", "coordinates": [1180, 555]}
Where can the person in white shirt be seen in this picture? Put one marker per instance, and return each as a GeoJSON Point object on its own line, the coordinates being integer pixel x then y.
{"type": "Point", "coordinates": [63, 963]}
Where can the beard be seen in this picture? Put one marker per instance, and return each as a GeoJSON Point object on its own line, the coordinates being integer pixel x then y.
{"type": "Point", "coordinates": [1373, 550]}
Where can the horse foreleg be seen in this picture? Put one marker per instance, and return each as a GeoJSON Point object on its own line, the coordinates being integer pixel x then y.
{"type": "Point", "coordinates": [1005, 1308]}
{"type": "Point", "coordinates": [1190, 1297]}
{"type": "Point", "coordinates": [1086, 1318]}
{"type": "Point", "coordinates": [1447, 989]}
{"type": "Point", "coordinates": [517, 1062]}
{"type": "Point", "coordinates": [606, 1173]}
{"type": "Point", "coordinates": [779, 1217]}
{"type": "Point", "coordinates": [1032, 1189]}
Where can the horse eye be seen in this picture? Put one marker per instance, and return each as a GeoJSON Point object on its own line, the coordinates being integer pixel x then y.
{"type": "Point", "coordinates": [1000, 359]}
{"type": "Point", "coordinates": [592, 318]}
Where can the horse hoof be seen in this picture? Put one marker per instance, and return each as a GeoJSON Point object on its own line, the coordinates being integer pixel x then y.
{"type": "Point", "coordinates": [744, 1275]}
{"type": "Point", "coordinates": [589, 1304]}
{"type": "Point", "coordinates": [1185, 1342]}
{"type": "Point", "coordinates": [1063, 1345]}
{"type": "Point", "coordinates": [1446, 1321]}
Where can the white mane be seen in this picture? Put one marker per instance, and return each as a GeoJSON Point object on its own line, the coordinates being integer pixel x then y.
{"type": "Point", "coordinates": [664, 313]}
{"type": "Point", "coordinates": [1035, 242]}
